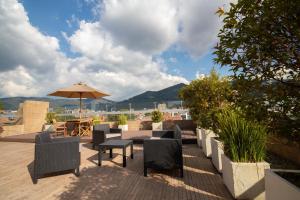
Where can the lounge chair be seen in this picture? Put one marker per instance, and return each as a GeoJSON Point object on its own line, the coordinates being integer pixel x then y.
{"type": "Point", "coordinates": [55, 154]}
{"type": "Point", "coordinates": [164, 151]}
{"type": "Point", "coordinates": [103, 131]}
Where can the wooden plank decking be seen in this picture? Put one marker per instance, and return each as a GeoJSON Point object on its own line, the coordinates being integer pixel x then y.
{"type": "Point", "coordinates": [111, 181]}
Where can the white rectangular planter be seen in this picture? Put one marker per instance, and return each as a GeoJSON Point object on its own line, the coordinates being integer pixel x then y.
{"type": "Point", "coordinates": [206, 141]}
{"type": "Point", "coordinates": [157, 126]}
{"type": "Point", "coordinates": [217, 150]}
{"type": "Point", "coordinates": [199, 137]}
{"type": "Point", "coordinates": [278, 188]}
{"type": "Point", "coordinates": [244, 180]}
{"type": "Point", "coordinates": [123, 127]}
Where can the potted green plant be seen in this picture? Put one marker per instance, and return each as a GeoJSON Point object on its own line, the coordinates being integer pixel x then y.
{"type": "Point", "coordinates": [243, 164]}
{"type": "Point", "coordinates": [157, 118]}
{"type": "Point", "coordinates": [50, 119]}
{"type": "Point", "coordinates": [122, 122]}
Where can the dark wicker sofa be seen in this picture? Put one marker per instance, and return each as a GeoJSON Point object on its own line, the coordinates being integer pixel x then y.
{"type": "Point", "coordinates": [54, 155]}
{"type": "Point", "coordinates": [164, 151]}
{"type": "Point", "coordinates": [100, 132]}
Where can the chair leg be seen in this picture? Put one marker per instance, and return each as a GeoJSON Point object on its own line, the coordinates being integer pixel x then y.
{"type": "Point", "coordinates": [145, 171]}
{"type": "Point", "coordinates": [77, 172]}
{"type": "Point", "coordinates": [34, 179]}
{"type": "Point", "coordinates": [181, 172]}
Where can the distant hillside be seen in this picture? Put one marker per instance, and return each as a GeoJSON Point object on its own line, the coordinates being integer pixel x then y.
{"type": "Point", "coordinates": [12, 103]}
{"type": "Point", "coordinates": [141, 101]}
{"type": "Point", "coordinates": [147, 99]}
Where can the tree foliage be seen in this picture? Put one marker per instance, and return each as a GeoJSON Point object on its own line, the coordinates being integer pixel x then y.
{"type": "Point", "coordinates": [122, 119]}
{"type": "Point", "coordinates": [204, 97]}
{"type": "Point", "coordinates": [260, 42]}
{"type": "Point", "coordinates": [156, 116]}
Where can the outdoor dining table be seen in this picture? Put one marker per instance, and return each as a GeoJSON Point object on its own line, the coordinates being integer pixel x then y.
{"type": "Point", "coordinates": [81, 127]}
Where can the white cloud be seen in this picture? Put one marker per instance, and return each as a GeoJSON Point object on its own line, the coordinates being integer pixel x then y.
{"type": "Point", "coordinates": [117, 50]}
{"type": "Point", "coordinates": [32, 64]}
{"type": "Point", "coordinates": [141, 25]}
{"type": "Point", "coordinates": [199, 24]}
{"type": "Point", "coordinates": [21, 43]}
{"type": "Point", "coordinates": [200, 75]}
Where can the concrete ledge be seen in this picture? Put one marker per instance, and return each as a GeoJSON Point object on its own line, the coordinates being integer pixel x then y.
{"type": "Point", "coordinates": [11, 130]}
{"type": "Point", "coordinates": [278, 188]}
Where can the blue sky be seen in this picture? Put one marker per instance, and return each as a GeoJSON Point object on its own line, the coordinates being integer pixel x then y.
{"type": "Point", "coordinates": [116, 44]}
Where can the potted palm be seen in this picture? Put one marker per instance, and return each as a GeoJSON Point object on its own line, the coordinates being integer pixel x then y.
{"type": "Point", "coordinates": [157, 118]}
{"type": "Point", "coordinates": [50, 119]}
{"type": "Point", "coordinates": [243, 164]}
{"type": "Point", "coordinates": [122, 122]}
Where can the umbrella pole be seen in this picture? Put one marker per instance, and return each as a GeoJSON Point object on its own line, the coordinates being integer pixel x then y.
{"type": "Point", "coordinates": [79, 128]}
{"type": "Point", "coordinates": [80, 105]}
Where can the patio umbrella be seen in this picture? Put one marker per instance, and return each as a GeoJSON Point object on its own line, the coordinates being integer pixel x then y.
{"type": "Point", "coordinates": [79, 90]}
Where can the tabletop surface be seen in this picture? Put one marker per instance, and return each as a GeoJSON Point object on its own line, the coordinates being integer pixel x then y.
{"type": "Point", "coordinates": [116, 143]}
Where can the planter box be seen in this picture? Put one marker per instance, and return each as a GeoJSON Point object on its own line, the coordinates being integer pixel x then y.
{"type": "Point", "coordinates": [48, 128]}
{"type": "Point", "coordinates": [157, 126]}
{"type": "Point", "coordinates": [278, 188]}
{"type": "Point", "coordinates": [217, 150]}
{"type": "Point", "coordinates": [199, 137]}
{"type": "Point", "coordinates": [244, 180]}
{"type": "Point", "coordinates": [123, 127]}
{"type": "Point", "coordinates": [206, 141]}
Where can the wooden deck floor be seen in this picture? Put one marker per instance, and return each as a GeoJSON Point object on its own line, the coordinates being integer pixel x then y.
{"type": "Point", "coordinates": [111, 181]}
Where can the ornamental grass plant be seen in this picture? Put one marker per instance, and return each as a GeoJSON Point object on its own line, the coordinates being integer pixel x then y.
{"type": "Point", "coordinates": [244, 141]}
{"type": "Point", "coordinates": [122, 119]}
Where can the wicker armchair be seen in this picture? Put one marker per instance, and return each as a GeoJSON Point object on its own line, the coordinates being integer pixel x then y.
{"type": "Point", "coordinates": [54, 155]}
{"type": "Point", "coordinates": [164, 151]}
{"type": "Point", "coordinates": [100, 132]}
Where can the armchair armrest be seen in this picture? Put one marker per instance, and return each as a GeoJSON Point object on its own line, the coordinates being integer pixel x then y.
{"type": "Point", "coordinates": [66, 139]}
{"type": "Point", "coordinates": [115, 130]}
{"type": "Point", "coordinates": [163, 134]}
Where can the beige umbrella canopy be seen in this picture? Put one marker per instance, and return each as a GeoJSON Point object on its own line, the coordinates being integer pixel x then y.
{"type": "Point", "coordinates": [79, 90]}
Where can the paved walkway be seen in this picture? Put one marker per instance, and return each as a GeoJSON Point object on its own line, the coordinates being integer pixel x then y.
{"type": "Point", "coordinates": [111, 181]}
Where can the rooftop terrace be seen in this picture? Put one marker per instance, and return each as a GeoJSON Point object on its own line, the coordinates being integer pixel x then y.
{"type": "Point", "coordinates": [111, 180]}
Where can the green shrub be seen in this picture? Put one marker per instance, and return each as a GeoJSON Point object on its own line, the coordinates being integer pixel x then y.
{"type": "Point", "coordinates": [244, 141]}
{"type": "Point", "coordinates": [122, 119]}
{"type": "Point", "coordinates": [157, 116]}
{"type": "Point", "coordinates": [64, 118]}
{"type": "Point", "coordinates": [96, 120]}
{"type": "Point", "coordinates": [50, 117]}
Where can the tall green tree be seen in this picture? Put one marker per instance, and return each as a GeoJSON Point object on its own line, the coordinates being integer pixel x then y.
{"type": "Point", "coordinates": [1, 106]}
{"type": "Point", "coordinates": [260, 42]}
{"type": "Point", "coordinates": [204, 97]}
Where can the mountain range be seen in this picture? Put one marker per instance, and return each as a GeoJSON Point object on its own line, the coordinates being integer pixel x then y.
{"type": "Point", "coordinates": [141, 101]}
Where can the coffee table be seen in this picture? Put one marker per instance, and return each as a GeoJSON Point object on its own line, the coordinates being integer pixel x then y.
{"type": "Point", "coordinates": [115, 144]}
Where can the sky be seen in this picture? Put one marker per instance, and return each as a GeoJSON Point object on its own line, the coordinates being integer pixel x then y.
{"type": "Point", "coordinates": [121, 47]}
